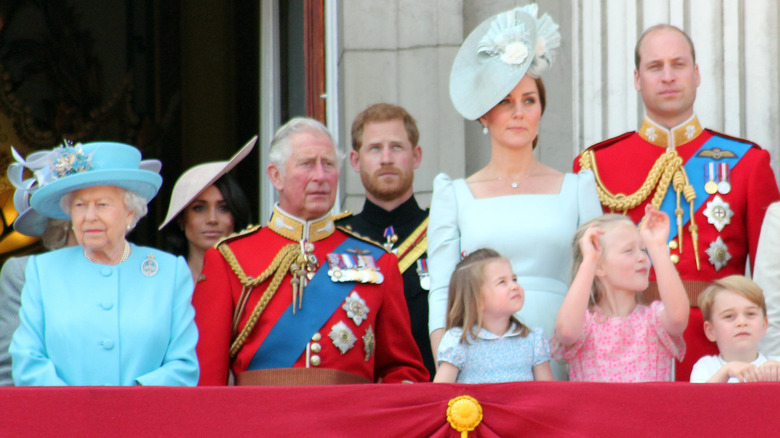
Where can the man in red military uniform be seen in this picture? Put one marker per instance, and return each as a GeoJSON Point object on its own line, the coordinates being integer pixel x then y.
{"type": "Point", "coordinates": [299, 301]}
{"type": "Point", "coordinates": [715, 188]}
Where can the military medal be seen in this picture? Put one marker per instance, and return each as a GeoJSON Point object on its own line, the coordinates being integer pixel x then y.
{"type": "Point", "coordinates": [368, 270]}
{"type": "Point", "coordinates": [724, 186]}
{"type": "Point", "coordinates": [342, 337]}
{"type": "Point", "coordinates": [719, 254]}
{"type": "Point", "coordinates": [369, 342]}
{"type": "Point", "coordinates": [390, 238]}
{"type": "Point", "coordinates": [356, 308]}
{"type": "Point", "coordinates": [149, 267]}
{"type": "Point", "coordinates": [334, 262]}
{"type": "Point", "coordinates": [422, 272]}
{"type": "Point", "coordinates": [718, 213]}
{"type": "Point", "coordinates": [711, 187]}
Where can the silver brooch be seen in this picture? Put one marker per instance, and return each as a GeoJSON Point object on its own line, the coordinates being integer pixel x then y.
{"type": "Point", "coordinates": [149, 266]}
{"type": "Point", "coordinates": [356, 308]}
{"type": "Point", "coordinates": [369, 342]}
{"type": "Point", "coordinates": [342, 337]}
{"type": "Point", "coordinates": [719, 253]}
{"type": "Point", "coordinates": [718, 213]}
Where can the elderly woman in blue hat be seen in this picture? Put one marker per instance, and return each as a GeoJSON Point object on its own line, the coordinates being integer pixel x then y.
{"type": "Point", "coordinates": [104, 312]}
{"type": "Point", "coordinates": [518, 206]}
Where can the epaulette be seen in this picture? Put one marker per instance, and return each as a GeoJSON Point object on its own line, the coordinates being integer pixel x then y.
{"type": "Point", "coordinates": [245, 232]}
{"type": "Point", "coordinates": [354, 234]}
{"type": "Point", "coordinates": [342, 215]}
{"type": "Point", "coordinates": [741, 140]}
{"type": "Point", "coordinates": [611, 141]}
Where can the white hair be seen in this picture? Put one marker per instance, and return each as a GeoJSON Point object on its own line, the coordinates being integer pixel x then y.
{"type": "Point", "coordinates": [280, 150]}
{"type": "Point", "coordinates": [133, 201]}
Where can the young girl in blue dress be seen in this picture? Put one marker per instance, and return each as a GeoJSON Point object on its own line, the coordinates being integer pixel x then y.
{"type": "Point", "coordinates": [484, 342]}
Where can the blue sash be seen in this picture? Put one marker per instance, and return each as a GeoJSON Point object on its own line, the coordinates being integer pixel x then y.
{"type": "Point", "coordinates": [322, 297]}
{"type": "Point", "coordinates": [696, 176]}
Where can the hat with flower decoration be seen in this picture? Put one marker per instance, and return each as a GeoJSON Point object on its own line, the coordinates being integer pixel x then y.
{"type": "Point", "coordinates": [497, 54]}
{"type": "Point", "coordinates": [79, 166]}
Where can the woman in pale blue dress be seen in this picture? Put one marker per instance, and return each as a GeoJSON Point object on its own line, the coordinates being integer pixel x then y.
{"type": "Point", "coordinates": [515, 205]}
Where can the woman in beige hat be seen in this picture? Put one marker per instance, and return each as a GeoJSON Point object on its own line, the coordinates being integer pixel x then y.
{"type": "Point", "coordinates": [207, 205]}
{"type": "Point", "coordinates": [516, 205]}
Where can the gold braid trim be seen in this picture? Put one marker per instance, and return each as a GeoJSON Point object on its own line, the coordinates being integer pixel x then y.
{"type": "Point", "coordinates": [413, 247]}
{"type": "Point", "coordinates": [279, 267]}
{"type": "Point", "coordinates": [658, 178]}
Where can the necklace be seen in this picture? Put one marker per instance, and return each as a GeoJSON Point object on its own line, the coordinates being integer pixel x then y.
{"type": "Point", "coordinates": [125, 254]}
{"type": "Point", "coordinates": [516, 184]}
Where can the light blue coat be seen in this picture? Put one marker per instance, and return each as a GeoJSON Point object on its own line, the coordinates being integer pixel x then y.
{"type": "Point", "coordinates": [83, 323]}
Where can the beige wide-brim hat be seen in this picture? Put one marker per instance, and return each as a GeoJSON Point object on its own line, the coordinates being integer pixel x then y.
{"type": "Point", "coordinates": [197, 179]}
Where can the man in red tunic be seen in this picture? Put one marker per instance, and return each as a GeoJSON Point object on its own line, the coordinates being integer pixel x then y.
{"type": "Point", "coordinates": [715, 188]}
{"type": "Point", "coordinates": [300, 301]}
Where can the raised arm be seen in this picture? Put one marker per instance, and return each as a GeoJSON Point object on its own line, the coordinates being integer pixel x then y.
{"type": "Point", "coordinates": [571, 316]}
{"type": "Point", "coordinates": [655, 232]}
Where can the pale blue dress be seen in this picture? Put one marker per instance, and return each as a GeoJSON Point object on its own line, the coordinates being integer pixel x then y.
{"type": "Point", "coordinates": [533, 231]}
{"type": "Point", "coordinates": [83, 323]}
{"type": "Point", "coordinates": [491, 358]}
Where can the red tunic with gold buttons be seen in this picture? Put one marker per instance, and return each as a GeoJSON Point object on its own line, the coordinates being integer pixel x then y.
{"type": "Point", "coordinates": [622, 164]}
{"type": "Point", "coordinates": [380, 345]}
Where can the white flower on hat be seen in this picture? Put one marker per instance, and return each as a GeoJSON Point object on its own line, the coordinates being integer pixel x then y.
{"type": "Point", "coordinates": [514, 53]}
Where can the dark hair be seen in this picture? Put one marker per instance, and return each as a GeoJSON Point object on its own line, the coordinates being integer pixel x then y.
{"type": "Point", "coordinates": [237, 204]}
{"type": "Point", "coordinates": [638, 59]}
{"type": "Point", "coordinates": [383, 112]}
{"type": "Point", "coordinates": [542, 100]}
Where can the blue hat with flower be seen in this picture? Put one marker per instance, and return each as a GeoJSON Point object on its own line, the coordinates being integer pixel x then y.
{"type": "Point", "coordinates": [75, 167]}
{"type": "Point", "coordinates": [497, 54]}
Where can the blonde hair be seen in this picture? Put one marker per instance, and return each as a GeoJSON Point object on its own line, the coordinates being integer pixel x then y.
{"type": "Point", "coordinates": [606, 222]}
{"type": "Point", "coordinates": [464, 304]}
{"type": "Point", "coordinates": [738, 284]}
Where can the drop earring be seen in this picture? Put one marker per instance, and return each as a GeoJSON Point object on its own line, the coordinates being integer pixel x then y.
{"type": "Point", "coordinates": [484, 130]}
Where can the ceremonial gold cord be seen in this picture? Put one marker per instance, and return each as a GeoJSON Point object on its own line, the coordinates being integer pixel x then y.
{"type": "Point", "coordinates": [658, 178]}
{"type": "Point", "coordinates": [279, 267]}
{"type": "Point", "coordinates": [668, 168]}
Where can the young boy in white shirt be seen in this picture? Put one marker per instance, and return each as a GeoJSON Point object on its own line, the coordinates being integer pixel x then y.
{"type": "Point", "coordinates": [734, 314]}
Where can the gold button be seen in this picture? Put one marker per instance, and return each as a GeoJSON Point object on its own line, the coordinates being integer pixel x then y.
{"type": "Point", "coordinates": [315, 360]}
{"type": "Point", "coordinates": [316, 337]}
{"type": "Point", "coordinates": [675, 258]}
{"type": "Point", "coordinates": [315, 347]}
{"type": "Point", "coordinates": [673, 244]}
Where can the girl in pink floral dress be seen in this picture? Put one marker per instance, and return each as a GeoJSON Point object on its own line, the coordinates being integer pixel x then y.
{"type": "Point", "coordinates": [602, 330]}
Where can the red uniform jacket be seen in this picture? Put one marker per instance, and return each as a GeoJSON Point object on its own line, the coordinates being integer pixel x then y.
{"type": "Point", "coordinates": [623, 164]}
{"type": "Point", "coordinates": [395, 357]}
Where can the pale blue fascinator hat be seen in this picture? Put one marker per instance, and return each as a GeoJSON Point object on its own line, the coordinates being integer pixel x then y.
{"type": "Point", "coordinates": [28, 222]}
{"type": "Point", "coordinates": [497, 54]}
{"type": "Point", "coordinates": [79, 166]}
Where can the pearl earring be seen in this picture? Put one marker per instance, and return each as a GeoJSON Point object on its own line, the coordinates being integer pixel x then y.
{"type": "Point", "coordinates": [484, 130]}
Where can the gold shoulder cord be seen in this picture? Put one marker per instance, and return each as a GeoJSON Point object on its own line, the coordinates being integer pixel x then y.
{"type": "Point", "coordinates": [278, 268]}
{"type": "Point", "coordinates": [668, 168]}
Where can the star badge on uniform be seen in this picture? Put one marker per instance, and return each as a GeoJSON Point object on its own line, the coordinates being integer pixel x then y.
{"type": "Point", "coordinates": [342, 337]}
{"type": "Point", "coordinates": [718, 213]}
{"type": "Point", "coordinates": [356, 308]}
{"type": "Point", "coordinates": [719, 253]}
